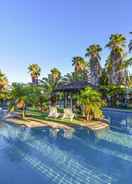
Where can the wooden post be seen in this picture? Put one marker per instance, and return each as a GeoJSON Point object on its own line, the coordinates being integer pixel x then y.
{"type": "Point", "coordinates": [65, 99]}
{"type": "Point", "coordinates": [71, 104]}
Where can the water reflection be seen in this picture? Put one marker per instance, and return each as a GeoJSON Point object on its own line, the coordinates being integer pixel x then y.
{"type": "Point", "coordinates": [61, 132]}
{"type": "Point", "coordinates": [119, 120]}
{"type": "Point", "coordinates": [81, 159]}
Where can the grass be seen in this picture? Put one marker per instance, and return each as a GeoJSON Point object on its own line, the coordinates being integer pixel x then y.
{"type": "Point", "coordinates": [36, 116]}
{"type": "Point", "coordinates": [44, 116]}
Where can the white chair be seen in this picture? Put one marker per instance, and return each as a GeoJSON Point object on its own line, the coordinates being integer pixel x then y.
{"type": "Point", "coordinates": [53, 112]}
{"type": "Point", "coordinates": [68, 114]}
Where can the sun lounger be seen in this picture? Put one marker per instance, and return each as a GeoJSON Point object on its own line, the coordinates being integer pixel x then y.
{"type": "Point", "coordinates": [68, 114]}
{"type": "Point", "coordinates": [53, 112]}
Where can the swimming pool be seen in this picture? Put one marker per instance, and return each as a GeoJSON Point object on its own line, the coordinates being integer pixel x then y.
{"type": "Point", "coordinates": [39, 156]}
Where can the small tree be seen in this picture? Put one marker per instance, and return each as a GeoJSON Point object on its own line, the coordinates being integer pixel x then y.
{"type": "Point", "coordinates": [3, 81]}
{"type": "Point", "coordinates": [18, 98]}
{"type": "Point", "coordinates": [92, 103]}
{"type": "Point", "coordinates": [50, 83]}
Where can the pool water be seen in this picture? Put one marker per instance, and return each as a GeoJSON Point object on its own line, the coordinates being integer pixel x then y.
{"type": "Point", "coordinates": [43, 156]}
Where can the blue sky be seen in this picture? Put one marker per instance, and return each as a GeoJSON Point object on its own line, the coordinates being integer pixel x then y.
{"type": "Point", "coordinates": [51, 32]}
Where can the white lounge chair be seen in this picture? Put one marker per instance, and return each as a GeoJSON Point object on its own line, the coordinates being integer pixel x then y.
{"type": "Point", "coordinates": [68, 114]}
{"type": "Point", "coordinates": [53, 112]}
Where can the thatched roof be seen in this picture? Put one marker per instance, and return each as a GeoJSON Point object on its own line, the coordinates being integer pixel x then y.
{"type": "Point", "coordinates": [74, 86]}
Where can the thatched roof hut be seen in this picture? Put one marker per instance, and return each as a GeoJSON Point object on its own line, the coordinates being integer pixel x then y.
{"type": "Point", "coordinates": [74, 86]}
{"type": "Point", "coordinates": [71, 88]}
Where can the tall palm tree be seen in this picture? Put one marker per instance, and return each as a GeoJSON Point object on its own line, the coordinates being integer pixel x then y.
{"type": "Point", "coordinates": [79, 64]}
{"type": "Point", "coordinates": [115, 61]}
{"type": "Point", "coordinates": [130, 44]}
{"type": "Point", "coordinates": [81, 68]}
{"type": "Point", "coordinates": [93, 52]}
{"type": "Point", "coordinates": [34, 70]}
{"type": "Point", "coordinates": [3, 81]}
{"type": "Point", "coordinates": [56, 74]}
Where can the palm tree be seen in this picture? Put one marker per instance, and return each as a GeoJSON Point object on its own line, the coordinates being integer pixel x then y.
{"type": "Point", "coordinates": [81, 67]}
{"type": "Point", "coordinates": [68, 78]}
{"type": "Point", "coordinates": [92, 103]}
{"type": "Point", "coordinates": [50, 84]}
{"type": "Point", "coordinates": [56, 74]}
{"type": "Point", "coordinates": [34, 70]}
{"type": "Point", "coordinates": [130, 44]}
{"type": "Point", "coordinates": [79, 63]}
{"type": "Point", "coordinates": [129, 81]}
{"type": "Point", "coordinates": [93, 52]}
{"type": "Point", "coordinates": [115, 94]}
{"type": "Point", "coordinates": [103, 78]}
{"type": "Point", "coordinates": [18, 98]}
{"type": "Point", "coordinates": [115, 60]}
{"type": "Point", "coordinates": [3, 81]}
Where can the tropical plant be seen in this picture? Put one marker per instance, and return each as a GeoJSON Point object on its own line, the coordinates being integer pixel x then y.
{"type": "Point", "coordinates": [115, 61]}
{"type": "Point", "coordinates": [4, 95]}
{"type": "Point", "coordinates": [56, 74]}
{"type": "Point", "coordinates": [92, 102]}
{"type": "Point", "coordinates": [34, 70]}
{"type": "Point", "coordinates": [103, 78]}
{"type": "Point", "coordinates": [36, 97]}
{"type": "Point", "coordinates": [50, 84]}
{"type": "Point", "coordinates": [93, 52]}
{"type": "Point", "coordinates": [116, 94]}
{"type": "Point", "coordinates": [18, 98]}
{"type": "Point", "coordinates": [80, 68]}
{"type": "Point", "coordinates": [68, 78]}
{"type": "Point", "coordinates": [130, 44]}
{"type": "Point", "coordinates": [79, 64]}
{"type": "Point", "coordinates": [3, 88]}
{"type": "Point", "coordinates": [129, 81]}
{"type": "Point", "coordinates": [3, 81]}
{"type": "Point", "coordinates": [23, 96]}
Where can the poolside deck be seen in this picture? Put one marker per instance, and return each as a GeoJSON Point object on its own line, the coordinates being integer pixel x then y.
{"type": "Point", "coordinates": [97, 125]}
{"type": "Point", "coordinates": [34, 123]}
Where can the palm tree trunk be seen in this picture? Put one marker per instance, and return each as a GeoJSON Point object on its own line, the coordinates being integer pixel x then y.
{"type": "Point", "coordinates": [23, 113]}
{"type": "Point", "coordinates": [87, 117]}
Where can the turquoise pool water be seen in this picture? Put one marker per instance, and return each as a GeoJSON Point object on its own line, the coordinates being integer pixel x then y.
{"type": "Point", "coordinates": [40, 156]}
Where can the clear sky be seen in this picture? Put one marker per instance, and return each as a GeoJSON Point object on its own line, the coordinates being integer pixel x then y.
{"type": "Point", "coordinates": [51, 32]}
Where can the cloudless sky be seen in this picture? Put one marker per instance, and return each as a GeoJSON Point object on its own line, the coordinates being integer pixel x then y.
{"type": "Point", "coordinates": [51, 32]}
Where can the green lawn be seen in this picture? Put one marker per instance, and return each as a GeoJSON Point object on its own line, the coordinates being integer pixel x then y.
{"type": "Point", "coordinates": [44, 116]}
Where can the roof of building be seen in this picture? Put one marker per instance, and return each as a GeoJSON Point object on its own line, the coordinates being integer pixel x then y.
{"type": "Point", "coordinates": [74, 86]}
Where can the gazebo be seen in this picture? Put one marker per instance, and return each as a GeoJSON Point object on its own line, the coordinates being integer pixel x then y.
{"type": "Point", "coordinates": [70, 89]}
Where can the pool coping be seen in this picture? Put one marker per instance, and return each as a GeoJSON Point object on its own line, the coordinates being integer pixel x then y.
{"type": "Point", "coordinates": [118, 110]}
